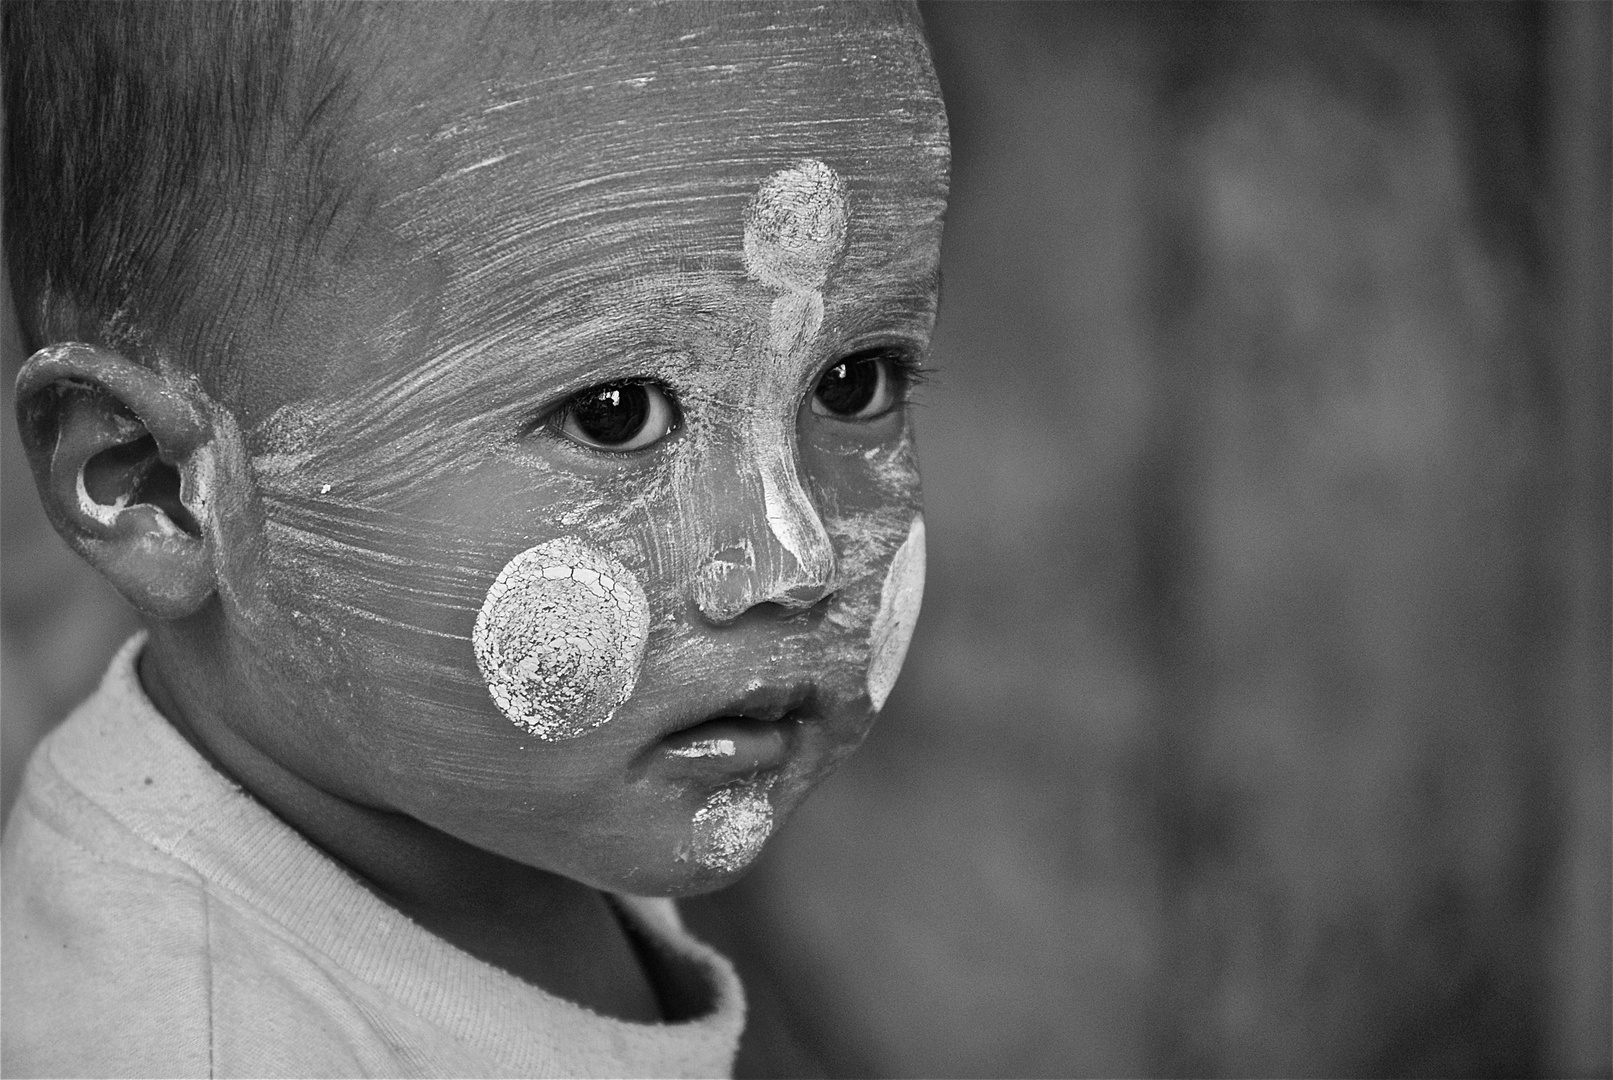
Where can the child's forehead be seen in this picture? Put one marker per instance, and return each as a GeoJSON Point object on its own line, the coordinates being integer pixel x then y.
{"type": "Point", "coordinates": [731, 57]}
{"type": "Point", "coordinates": [539, 167]}
{"type": "Point", "coordinates": [583, 120]}
{"type": "Point", "coordinates": [600, 102]}
{"type": "Point", "coordinates": [637, 136]}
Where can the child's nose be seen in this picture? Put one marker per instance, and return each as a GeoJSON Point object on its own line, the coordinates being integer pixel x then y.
{"type": "Point", "coordinates": [768, 544]}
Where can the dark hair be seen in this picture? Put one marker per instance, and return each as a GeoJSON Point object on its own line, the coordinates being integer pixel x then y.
{"type": "Point", "coordinates": [169, 163]}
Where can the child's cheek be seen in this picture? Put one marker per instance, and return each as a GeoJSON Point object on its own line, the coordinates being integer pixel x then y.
{"type": "Point", "coordinates": [878, 532]}
{"type": "Point", "coordinates": [560, 638]}
{"type": "Point", "coordinates": [899, 599]}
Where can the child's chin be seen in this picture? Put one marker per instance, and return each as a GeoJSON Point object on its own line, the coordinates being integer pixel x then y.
{"type": "Point", "coordinates": [688, 872]}
{"type": "Point", "coordinates": [684, 881]}
{"type": "Point", "coordinates": [716, 837]}
{"type": "Point", "coordinates": [680, 875]}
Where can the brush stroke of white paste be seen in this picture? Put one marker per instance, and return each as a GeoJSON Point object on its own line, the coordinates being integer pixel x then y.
{"type": "Point", "coordinates": [795, 231]}
{"type": "Point", "coordinates": [899, 601]}
{"type": "Point", "coordinates": [732, 826]}
{"type": "Point", "coordinates": [560, 638]}
{"type": "Point", "coordinates": [788, 511]}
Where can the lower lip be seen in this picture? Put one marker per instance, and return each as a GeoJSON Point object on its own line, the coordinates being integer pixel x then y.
{"type": "Point", "coordinates": [729, 744]}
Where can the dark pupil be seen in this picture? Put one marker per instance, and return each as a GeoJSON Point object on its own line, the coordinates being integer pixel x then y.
{"type": "Point", "coordinates": [612, 414]}
{"type": "Point", "coordinates": [849, 386]}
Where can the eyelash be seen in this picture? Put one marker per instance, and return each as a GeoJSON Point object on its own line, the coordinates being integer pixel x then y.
{"type": "Point", "coordinates": [556, 420]}
{"type": "Point", "coordinates": [897, 366]}
{"type": "Point", "coordinates": [904, 367]}
{"type": "Point", "coordinates": [907, 365]}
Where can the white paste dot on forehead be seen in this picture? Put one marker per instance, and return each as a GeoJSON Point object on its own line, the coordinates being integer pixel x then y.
{"type": "Point", "coordinates": [560, 638]}
{"type": "Point", "coordinates": [899, 600]}
{"type": "Point", "coordinates": [732, 826]}
{"type": "Point", "coordinates": [795, 227]}
{"type": "Point", "coordinates": [795, 230]}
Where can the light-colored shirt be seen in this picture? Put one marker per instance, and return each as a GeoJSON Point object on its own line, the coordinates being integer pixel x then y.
{"type": "Point", "coordinates": [158, 921]}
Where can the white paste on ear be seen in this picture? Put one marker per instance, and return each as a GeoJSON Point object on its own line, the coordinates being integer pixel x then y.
{"type": "Point", "coordinates": [560, 638]}
{"type": "Point", "coordinates": [899, 601]}
{"type": "Point", "coordinates": [104, 513]}
{"type": "Point", "coordinates": [730, 829]}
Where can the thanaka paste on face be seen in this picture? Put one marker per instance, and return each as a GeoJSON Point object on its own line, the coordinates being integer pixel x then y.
{"type": "Point", "coordinates": [795, 231]}
{"type": "Point", "coordinates": [732, 826]}
{"type": "Point", "coordinates": [627, 262]}
{"type": "Point", "coordinates": [560, 638]}
{"type": "Point", "coordinates": [899, 600]}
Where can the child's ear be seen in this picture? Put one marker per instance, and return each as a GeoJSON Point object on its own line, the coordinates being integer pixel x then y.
{"type": "Point", "coordinates": [114, 448]}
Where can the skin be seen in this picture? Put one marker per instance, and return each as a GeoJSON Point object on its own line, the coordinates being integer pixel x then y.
{"type": "Point", "coordinates": [558, 200]}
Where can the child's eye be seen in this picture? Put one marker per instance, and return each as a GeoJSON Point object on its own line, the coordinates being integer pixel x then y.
{"type": "Point", "coordinates": [860, 387]}
{"type": "Point", "coordinates": [621, 416]}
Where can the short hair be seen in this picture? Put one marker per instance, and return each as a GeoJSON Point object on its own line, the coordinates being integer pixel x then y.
{"type": "Point", "coordinates": [170, 162]}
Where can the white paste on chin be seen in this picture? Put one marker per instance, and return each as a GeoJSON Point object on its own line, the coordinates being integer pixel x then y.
{"type": "Point", "coordinates": [560, 638]}
{"type": "Point", "coordinates": [899, 601]}
{"type": "Point", "coordinates": [730, 829]}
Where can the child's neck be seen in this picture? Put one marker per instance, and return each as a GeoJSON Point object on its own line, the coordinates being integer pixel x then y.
{"type": "Point", "coordinates": [551, 931]}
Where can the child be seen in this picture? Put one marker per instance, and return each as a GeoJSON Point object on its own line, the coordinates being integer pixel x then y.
{"type": "Point", "coordinates": [498, 414]}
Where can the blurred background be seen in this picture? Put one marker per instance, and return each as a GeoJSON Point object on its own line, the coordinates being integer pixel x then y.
{"type": "Point", "coordinates": [1258, 720]}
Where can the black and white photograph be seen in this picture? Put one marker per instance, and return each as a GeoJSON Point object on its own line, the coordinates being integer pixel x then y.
{"type": "Point", "coordinates": [806, 538]}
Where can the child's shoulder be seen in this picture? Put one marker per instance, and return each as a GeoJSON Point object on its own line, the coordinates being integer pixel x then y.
{"type": "Point", "coordinates": [117, 782]}
{"type": "Point", "coordinates": [103, 932]}
{"type": "Point", "coordinates": [151, 917]}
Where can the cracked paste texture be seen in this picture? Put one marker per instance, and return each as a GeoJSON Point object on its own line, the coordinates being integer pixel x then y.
{"type": "Point", "coordinates": [899, 600]}
{"type": "Point", "coordinates": [730, 829]}
{"type": "Point", "coordinates": [560, 638]}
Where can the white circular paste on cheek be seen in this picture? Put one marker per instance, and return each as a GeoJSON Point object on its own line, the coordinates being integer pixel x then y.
{"type": "Point", "coordinates": [899, 601]}
{"type": "Point", "coordinates": [560, 638]}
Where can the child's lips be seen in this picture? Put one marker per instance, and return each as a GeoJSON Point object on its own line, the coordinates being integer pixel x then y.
{"type": "Point", "coordinates": [752, 731]}
{"type": "Point", "coordinates": [731, 744]}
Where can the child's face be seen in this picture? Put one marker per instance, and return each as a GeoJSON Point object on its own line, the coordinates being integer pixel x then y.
{"type": "Point", "coordinates": [703, 240]}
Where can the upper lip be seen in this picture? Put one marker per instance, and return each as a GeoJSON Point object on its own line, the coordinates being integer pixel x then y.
{"type": "Point", "coordinates": [760, 701]}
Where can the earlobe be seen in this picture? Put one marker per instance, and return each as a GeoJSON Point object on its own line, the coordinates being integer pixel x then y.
{"type": "Point", "coordinates": [110, 443]}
